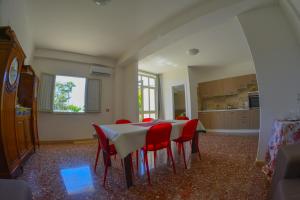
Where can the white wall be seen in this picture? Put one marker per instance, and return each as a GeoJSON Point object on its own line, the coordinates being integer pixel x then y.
{"type": "Point", "coordinates": [291, 9]}
{"type": "Point", "coordinates": [72, 126]}
{"type": "Point", "coordinates": [14, 13]}
{"type": "Point", "coordinates": [168, 80]}
{"type": "Point", "coordinates": [203, 74]}
{"type": "Point", "coordinates": [276, 55]}
{"type": "Point", "coordinates": [125, 92]}
{"type": "Point", "coordinates": [130, 92]}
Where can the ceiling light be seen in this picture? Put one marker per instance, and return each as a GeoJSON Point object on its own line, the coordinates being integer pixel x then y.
{"type": "Point", "coordinates": [193, 52]}
{"type": "Point", "coordinates": [101, 2]}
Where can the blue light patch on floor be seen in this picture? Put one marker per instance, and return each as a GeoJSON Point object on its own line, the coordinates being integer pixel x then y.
{"type": "Point", "coordinates": [77, 180]}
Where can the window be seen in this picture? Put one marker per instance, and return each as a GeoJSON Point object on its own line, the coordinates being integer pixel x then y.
{"type": "Point", "coordinates": [147, 95]}
{"type": "Point", "coordinates": [69, 94]}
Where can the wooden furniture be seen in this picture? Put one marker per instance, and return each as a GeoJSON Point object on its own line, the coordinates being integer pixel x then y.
{"type": "Point", "coordinates": [127, 138]}
{"type": "Point", "coordinates": [223, 87]}
{"type": "Point", "coordinates": [16, 141]}
{"type": "Point", "coordinates": [27, 96]}
{"type": "Point", "coordinates": [230, 119]}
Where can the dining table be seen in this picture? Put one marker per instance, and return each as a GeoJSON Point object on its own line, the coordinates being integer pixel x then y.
{"type": "Point", "coordinates": [128, 138]}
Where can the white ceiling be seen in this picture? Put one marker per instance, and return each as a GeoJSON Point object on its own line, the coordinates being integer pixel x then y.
{"type": "Point", "coordinates": [221, 45]}
{"type": "Point", "coordinates": [80, 26]}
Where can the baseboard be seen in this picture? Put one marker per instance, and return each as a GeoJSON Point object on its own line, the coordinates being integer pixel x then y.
{"type": "Point", "coordinates": [252, 132]}
{"type": "Point", "coordinates": [79, 141]}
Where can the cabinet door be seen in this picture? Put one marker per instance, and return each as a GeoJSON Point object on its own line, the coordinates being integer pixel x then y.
{"type": "Point", "coordinates": [203, 89]}
{"type": "Point", "coordinates": [254, 119]}
{"type": "Point", "coordinates": [21, 138]}
{"type": "Point", "coordinates": [243, 119]}
{"type": "Point", "coordinates": [28, 134]}
{"type": "Point", "coordinates": [217, 120]}
{"type": "Point", "coordinates": [205, 119]}
{"type": "Point", "coordinates": [229, 86]}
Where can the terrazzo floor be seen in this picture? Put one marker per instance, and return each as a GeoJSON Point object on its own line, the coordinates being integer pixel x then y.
{"type": "Point", "coordinates": [226, 171]}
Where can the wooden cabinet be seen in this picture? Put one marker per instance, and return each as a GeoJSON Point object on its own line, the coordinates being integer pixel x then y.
{"type": "Point", "coordinates": [205, 119]}
{"type": "Point", "coordinates": [24, 134]}
{"type": "Point", "coordinates": [228, 86]}
{"type": "Point", "coordinates": [231, 119]}
{"type": "Point", "coordinates": [15, 131]}
{"type": "Point", "coordinates": [254, 119]}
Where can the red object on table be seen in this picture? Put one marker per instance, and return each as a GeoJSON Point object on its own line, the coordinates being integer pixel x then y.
{"type": "Point", "coordinates": [123, 121]}
{"type": "Point", "coordinates": [188, 132]}
{"type": "Point", "coordinates": [148, 120]}
{"type": "Point", "coordinates": [157, 138]}
{"type": "Point", "coordinates": [182, 118]}
{"type": "Point", "coordinates": [284, 132]}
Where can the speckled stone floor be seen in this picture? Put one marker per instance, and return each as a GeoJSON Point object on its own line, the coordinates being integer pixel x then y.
{"type": "Point", "coordinates": [226, 171]}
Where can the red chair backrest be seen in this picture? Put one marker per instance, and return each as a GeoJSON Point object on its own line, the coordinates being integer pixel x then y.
{"type": "Point", "coordinates": [189, 129]}
{"type": "Point", "coordinates": [123, 121]}
{"type": "Point", "coordinates": [182, 118]}
{"type": "Point", "coordinates": [102, 138]}
{"type": "Point", "coordinates": [147, 120]}
{"type": "Point", "coordinates": [158, 134]}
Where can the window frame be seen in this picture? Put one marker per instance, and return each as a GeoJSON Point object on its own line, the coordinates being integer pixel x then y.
{"type": "Point", "coordinates": [141, 87]}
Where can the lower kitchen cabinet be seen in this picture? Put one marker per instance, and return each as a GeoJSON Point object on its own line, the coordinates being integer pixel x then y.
{"type": "Point", "coordinates": [231, 119]}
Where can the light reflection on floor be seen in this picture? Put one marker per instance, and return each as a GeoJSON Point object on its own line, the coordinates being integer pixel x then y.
{"type": "Point", "coordinates": [77, 180]}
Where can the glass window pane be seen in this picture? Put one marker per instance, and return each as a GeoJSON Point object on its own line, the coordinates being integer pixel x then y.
{"type": "Point", "coordinates": [152, 99]}
{"type": "Point", "coordinates": [152, 82]}
{"type": "Point", "coordinates": [152, 115]}
{"type": "Point", "coordinates": [145, 81]}
{"type": "Point", "coordinates": [146, 99]}
{"type": "Point", "coordinates": [69, 94]}
{"type": "Point", "coordinates": [146, 115]}
{"type": "Point", "coordinates": [139, 77]}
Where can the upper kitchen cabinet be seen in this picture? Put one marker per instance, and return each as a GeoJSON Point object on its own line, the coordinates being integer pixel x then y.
{"type": "Point", "coordinates": [228, 86]}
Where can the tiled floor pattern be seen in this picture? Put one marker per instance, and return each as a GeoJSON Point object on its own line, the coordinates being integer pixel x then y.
{"type": "Point", "coordinates": [226, 171]}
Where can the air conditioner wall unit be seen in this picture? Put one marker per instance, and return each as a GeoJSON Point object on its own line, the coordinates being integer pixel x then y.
{"type": "Point", "coordinates": [98, 70]}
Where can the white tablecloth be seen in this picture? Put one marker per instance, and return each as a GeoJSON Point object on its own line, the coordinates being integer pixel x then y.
{"type": "Point", "coordinates": [128, 138]}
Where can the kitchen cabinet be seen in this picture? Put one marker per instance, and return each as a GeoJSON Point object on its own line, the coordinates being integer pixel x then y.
{"type": "Point", "coordinates": [204, 117]}
{"type": "Point", "coordinates": [254, 119]}
{"type": "Point", "coordinates": [228, 86]}
{"type": "Point", "coordinates": [230, 119]}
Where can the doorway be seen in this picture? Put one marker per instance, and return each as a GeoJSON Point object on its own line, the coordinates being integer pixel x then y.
{"type": "Point", "coordinates": [179, 108]}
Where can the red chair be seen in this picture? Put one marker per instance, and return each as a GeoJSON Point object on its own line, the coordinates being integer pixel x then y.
{"type": "Point", "coordinates": [108, 149]}
{"type": "Point", "coordinates": [188, 132]}
{"type": "Point", "coordinates": [182, 118]}
{"type": "Point", "coordinates": [123, 121]}
{"type": "Point", "coordinates": [147, 120]}
{"type": "Point", "coordinates": [158, 137]}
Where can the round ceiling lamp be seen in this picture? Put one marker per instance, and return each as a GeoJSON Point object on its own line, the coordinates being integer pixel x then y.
{"type": "Point", "coordinates": [101, 2]}
{"type": "Point", "coordinates": [193, 51]}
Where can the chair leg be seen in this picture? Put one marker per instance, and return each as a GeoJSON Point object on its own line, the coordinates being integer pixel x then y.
{"type": "Point", "coordinates": [137, 160]}
{"type": "Point", "coordinates": [147, 166]}
{"type": "Point", "coordinates": [131, 165]}
{"type": "Point", "coordinates": [183, 152]}
{"type": "Point", "coordinates": [122, 163]}
{"type": "Point", "coordinates": [97, 157]}
{"type": "Point", "coordinates": [155, 155]}
{"type": "Point", "coordinates": [169, 150]}
{"type": "Point", "coordinates": [198, 149]}
{"type": "Point", "coordinates": [105, 172]}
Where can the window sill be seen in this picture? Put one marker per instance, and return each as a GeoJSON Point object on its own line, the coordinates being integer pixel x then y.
{"type": "Point", "coordinates": [69, 113]}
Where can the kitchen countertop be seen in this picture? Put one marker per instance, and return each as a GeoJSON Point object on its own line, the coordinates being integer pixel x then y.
{"type": "Point", "coordinates": [224, 110]}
